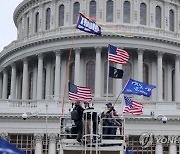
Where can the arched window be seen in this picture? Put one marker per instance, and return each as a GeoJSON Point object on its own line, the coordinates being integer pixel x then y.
{"type": "Point", "coordinates": [61, 15]}
{"type": "Point", "coordinates": [110, 81]}
{"type": "Point", "coordinates": [171, 20]}
{"type": "Point", "coordinates": [76, 10]}
{"type": "Point", "coordinates": [31, 85]}
{"type": "Point", "coordinates": [173, 85]}
{"type": "Point", "coordinates": [126, 12]}
{"type": "Point", "coordinates": [92, 9]}
{"type": "Point", "coordinates": [143, 13]}
{"type": "Point", "coordinates": [37, 22]}
{"type": "Point", "coordinates": [48, 18]}
{"type": "Point", "coordinates": [90, 75]}
{"type": "Point", "coordinates": [127, 68]}
{"type": "Point", "coordinates": [145, 73]}
{"type": "Point", "coordinates": [72, 73]}
{"type": "Point", "coordinates": [27, 26]}
{"type": "Point", "coordinates": [158, 16]}
{"type": "Point", "coordinates": [109, 11]}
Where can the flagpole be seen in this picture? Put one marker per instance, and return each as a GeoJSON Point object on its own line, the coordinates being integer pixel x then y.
{"type": "Point", "coordinates": [125, 85]}
{"type": "Point", "coordinates": [107, 82]}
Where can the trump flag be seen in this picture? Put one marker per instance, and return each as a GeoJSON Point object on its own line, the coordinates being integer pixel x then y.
{"type": "Point", "coordinates": [138, 88]}
{"type": "Point", "coordinates": [8, 148]}
{"type": "Point", "coordinates": [87, 25]}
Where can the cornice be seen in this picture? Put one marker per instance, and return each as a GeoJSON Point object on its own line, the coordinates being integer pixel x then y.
{"type": "Point", "coordinates": [21, 46]}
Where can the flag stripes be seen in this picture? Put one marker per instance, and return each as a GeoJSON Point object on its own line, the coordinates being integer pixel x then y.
{"type": "Point", "coordinates": [132, 106]}
{"type": "Point", "coordinates": [79, 93]}
{"type": "Point", "coordinates": [118, 56]}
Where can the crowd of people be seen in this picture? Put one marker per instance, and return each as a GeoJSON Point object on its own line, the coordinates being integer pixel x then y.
{"type": "Point", "coordinates": [86, 121]}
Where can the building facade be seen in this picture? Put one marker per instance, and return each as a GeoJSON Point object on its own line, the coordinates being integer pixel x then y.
{"type": "Point", "coordinates": [35, 68]}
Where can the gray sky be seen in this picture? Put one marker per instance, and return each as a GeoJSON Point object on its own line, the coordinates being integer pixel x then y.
{"type": "Point", "coordinates": [8, 31]}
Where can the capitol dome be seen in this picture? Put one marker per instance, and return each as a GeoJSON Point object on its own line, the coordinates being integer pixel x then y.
{"type": "Point", "coordinates": [50, 51]}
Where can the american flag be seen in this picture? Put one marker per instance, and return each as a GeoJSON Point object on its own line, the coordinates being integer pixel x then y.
{"type": "Point", "coordinates": [132, 107]}
{"type": "Point", "coordinates": [79, 93]}
{"type": "Point", "coordinates": [118, 56]}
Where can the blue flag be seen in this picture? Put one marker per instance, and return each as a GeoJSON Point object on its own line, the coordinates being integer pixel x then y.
{"type": "Point", "coordinates": [137, 88]}
{"type": "Point", "coordinates": [8, 148]}
{"type": "Point", "coordinates": [88, 25]}
{"type": "Point", "coordinates": [129, 151]}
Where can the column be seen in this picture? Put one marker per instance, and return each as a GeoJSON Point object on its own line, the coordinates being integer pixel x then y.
{"type": "Point", "coordinates": [35, 83]}
{"type": "Point", "coordinates": [159, 148]}
{"type": "Point", "coordinates": [160, 79]}
{"type": "Point", "coordinates": [38, 140]}
{"type": "Point", "coordinates": [98, 73]}
{"type": "Point", "coordinates": [118, 82]}
{"type": "Point", "coordinates": [57, 74]}
{"type": "Point", "coordinates": [169, 82]}
{"type": "Point", "coordinates": [177, 82]}
{"type": "Point", "coordinates": [77, 66]}
{"type": "Point", "coordinates": [52, 143]}
{"type": "Point", "coordinates": [172, 148]}
{"type": "Point", "coordinates": [154, 76]}
{"type": "Point", "coordinates": [13, 82]}
{"type": "Point", "coordinates": [140, 68]}
{"type": "Point", "coordinates": [40, 76]}
{"type": "Point", "coordinates": [25, 80]}
{"type": "Point", "coordinates": [5, 84]}
{"type": "Point", "coordinates": [1, 84]}
{"type": "Point", "coordinates": [48, 80]}
{"type": "Point", "coordinates": [140, 65]}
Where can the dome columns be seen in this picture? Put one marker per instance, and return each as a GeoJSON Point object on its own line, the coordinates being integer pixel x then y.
{"type": "Point", "coordinates": [177, 74]}
{"type": "Point", "coordinates": [25, 80]}
{"type": "Point", "coordinates": [160, 76]}
{"type": "Point", "coordinates": [57, 74]}
{"type": "Point", "coordinates": [40, 77]}
{"type": "Point", "coordinates": [5, 84]}
{"type": "Point", "coordinates": [13, 82]}
{"type": "Point", "coordinates": [77, 66]}
{"type": "Point", "coordinates": [98, 72]}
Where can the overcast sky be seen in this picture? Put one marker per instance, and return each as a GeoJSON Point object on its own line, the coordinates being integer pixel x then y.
{"type": "Point", "coordinates": [8, 31]}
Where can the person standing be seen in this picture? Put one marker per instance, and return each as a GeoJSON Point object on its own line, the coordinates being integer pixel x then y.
{"type": "Point", "coordinates": [79, 120]}
{"type": "Point", "coordinates": [109, 122]}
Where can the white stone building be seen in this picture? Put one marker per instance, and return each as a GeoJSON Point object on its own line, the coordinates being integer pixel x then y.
{"type": "Point", "coordinates": [33, 68]}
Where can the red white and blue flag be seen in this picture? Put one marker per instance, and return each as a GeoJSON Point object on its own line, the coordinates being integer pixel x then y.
{"type": "Point", "coordinates": [117, 55]}
{"type": "Point", "coordinates": [79, 93]}
{"type": "Point", "coordinates": [132, 107]}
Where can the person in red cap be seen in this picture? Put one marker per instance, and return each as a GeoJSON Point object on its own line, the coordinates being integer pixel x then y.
{"type": "Point", "coordinates": [109, 122]}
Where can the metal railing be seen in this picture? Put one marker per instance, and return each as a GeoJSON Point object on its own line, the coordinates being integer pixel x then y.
{"type": "Point", "coordinates": [97, 131]}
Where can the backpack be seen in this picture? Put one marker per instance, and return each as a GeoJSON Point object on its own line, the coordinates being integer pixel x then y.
{"type": "Point", "coordinates": [74, 114]}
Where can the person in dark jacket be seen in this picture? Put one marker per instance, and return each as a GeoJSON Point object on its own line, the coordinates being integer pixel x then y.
{"type": "Point", "coordinates": [109, 122]}
{"type": "Point", "coordinates": [79, 121]}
